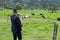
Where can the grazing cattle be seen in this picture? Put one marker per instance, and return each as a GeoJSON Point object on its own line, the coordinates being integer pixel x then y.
{"type": "Point", "coordinates": [42, 16]}
{"type": "Point", "coordinates": [26, 16]}
{"type": "Point", "coordinates": [33, 14]}
{"type": "Point", "coordinates": [58, 19]}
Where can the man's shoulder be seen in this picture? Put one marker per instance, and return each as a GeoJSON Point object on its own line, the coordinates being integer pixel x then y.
{"type": "Point", "coordinates": [13, 16]}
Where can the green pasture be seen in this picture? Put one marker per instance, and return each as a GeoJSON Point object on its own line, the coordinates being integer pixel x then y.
{"type": "Point", "coordinates": [34, 28]}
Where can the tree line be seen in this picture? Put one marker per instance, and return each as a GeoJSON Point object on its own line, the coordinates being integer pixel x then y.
{"type": "Point", "coordinates": [31, 4]}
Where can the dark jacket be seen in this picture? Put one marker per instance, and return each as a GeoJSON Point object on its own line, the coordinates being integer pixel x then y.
{"type": "Point", "coordinates": [16, 24]}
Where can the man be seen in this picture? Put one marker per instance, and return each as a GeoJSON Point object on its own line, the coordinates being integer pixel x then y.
{"type": "Point", "coordinates": [16, 26]}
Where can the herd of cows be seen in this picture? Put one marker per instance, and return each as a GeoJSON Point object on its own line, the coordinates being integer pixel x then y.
{"type": "Point", "coordinates": [28, 16]}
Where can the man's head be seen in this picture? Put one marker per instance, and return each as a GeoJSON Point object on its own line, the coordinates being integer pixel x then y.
{"type": "Point", "coordinates": [15, 11]}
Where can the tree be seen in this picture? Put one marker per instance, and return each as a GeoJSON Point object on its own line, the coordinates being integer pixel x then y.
{"type": "Point", "coordinates": [53, 7]}
{"type": "Point", "coordinates": [25, 6]}
{"type": "Point", "coordinates": [18, 6]}
{"type": "Point", "coordinates": [44, 4]}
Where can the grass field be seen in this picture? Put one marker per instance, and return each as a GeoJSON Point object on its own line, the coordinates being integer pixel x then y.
{"type": "Point", "coordinates": [34, 28]}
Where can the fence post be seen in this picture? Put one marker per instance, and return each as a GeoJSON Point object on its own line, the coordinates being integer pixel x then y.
{"type": "Point", "coordinates": [55, 31]}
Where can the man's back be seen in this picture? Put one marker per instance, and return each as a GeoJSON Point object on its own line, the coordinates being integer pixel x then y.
{"type": "Point", "coordinates": [16, 24]}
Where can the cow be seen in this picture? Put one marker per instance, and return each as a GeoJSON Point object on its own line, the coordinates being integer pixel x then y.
{"type": "Point", "coordinates": [25, 17]}
{"type": "Point", "coordinates": [42, 16]}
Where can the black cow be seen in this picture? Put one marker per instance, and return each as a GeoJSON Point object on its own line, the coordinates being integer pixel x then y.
{"type": "Point", "coordinates": [58, 19]}
{"type": "Point", "coordinates": [42, 16]}
{"type": "Point", "coordinates": [32, 14]}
